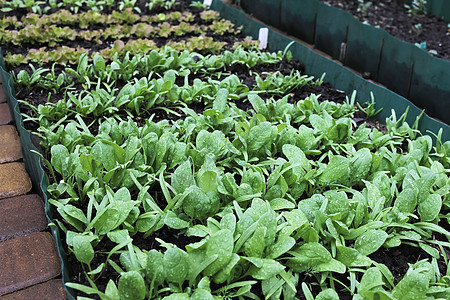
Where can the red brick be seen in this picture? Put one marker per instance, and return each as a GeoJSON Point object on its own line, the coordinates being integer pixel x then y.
{"type": "Point", "coordinates": [50, 290]}
{"type": "Point", "coordinates": [28, 260]}
{"type": "Point", "coordinates": [10, 147]}
{"type": "Point", "coordinates": [14, 180]}
{"type": "Point", "coordinates": [5, 115]}
{"type": "Point", "coordinates": [2, 94]}
{"type": "Point", "coordinates": [21, 215]}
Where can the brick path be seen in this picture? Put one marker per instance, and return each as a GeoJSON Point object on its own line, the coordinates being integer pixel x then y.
{"type": "Point", "coordinates": [29, 262]}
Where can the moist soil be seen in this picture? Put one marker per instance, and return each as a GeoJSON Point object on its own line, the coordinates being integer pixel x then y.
{"type": "Point", "coordinates": [392, 16]}
{"type": "Point", "coordinates": [395, 259]}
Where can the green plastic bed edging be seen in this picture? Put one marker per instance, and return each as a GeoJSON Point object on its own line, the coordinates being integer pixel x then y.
{"type": "Point", "coordinates": [439, 8]}
{"type": "Point", "coordinates": [33, 165]}
{"type": "Point", "coordinates": [402, 67]}
{"type": "Point", "coordinates": [338, 76]}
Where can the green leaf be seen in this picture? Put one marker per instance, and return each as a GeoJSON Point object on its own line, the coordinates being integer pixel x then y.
{"type": "Point", "coordinates": [123, 194]}
{"type": "Point", "coordinates": [258, 105]}
{"type": "Point", "coordinates": [259, 136]}
{"type": "Point", "coordinates": [177, 296]}
{"type": "Point", "coordinates": [220, 101]}
{"type": "Point", "coordinates": [207, 176]}
{"type": "Point", "coordinates": [155, 269]}
{"type": "Point", "coordinates": [99, 63]}
{"type": "Point", "coordinates": [360, 164]}
{"type": "Point", "coordinates": [59, 156]}
{"type": "Point", "coordinates": [132, 148]}
{"type": "Point", "coordinates": [297, 157]}
{"type": "Point", "coordinates": [413, 286]}
{"type": "Point", "coordinates": [337, 170]}
{"type": "Point", "coordinates": [328, 294]}
{"type": "Point", "coordinates": [296, 218]}
{"type": "Point", "coordinates": [104, 153]}
{"type": "Point", "coordinates": [406, 201]}
{"type": "Point", "coordinates": [200, 205]}
{"type": "Point", "coordinates": [225, 273]}
{"type": "Point", "coordinates": [82, 248]}
{"type": "Point", "coordinates": [176, 265]}
{"type": "Point", "coordinates": [182, 177]}
{"type": "Point", "coordinates": [330, 266]}
{"type": "Point", "coordinates": [173, 221]}
{"type": "Point", "coordinates": [281, 204]}
{"type": "Point", "coordinates": [283, 245]}
{"type": "Point", "coordinates": [370, 241]}
{"type": "Point", "coordinates": [220, 243]}
{"type": "Point", "coordinates": [119, 236]}
{"type": "Point", "coordinates": [75, 213]}
{"type": "Point", "coordinates": [111, 290]}
{"type": "Point", "coordinates": [132, 286]}
{"type": "Point", "coordinates": [268, 269]}
{"type": "Point", "coordinates": [254, 246]}
{"type": "Point", "coordinates": [308, 256]}
{"type": "Point", "coordinates": [341, 130]}
{"type": "Point", "coordinates": [429, 208]}
{"type": "Point", "coordinates": [107, 221]}
{"type": "Point", "coordinates": [202, 294]}
{"type": "Point", "coordinates": [371, 280]}
{"type": "Point", "coordinates": [352, 257]}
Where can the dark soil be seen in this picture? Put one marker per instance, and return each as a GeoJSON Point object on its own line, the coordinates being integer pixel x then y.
{"type": "Point", "coordinates": [392, 16]}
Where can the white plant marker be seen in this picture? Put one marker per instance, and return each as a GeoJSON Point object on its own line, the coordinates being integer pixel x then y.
{"type": "Point", "coordinates": [207, 2]}
{"type": "Point", "coordinates": [263, 36]}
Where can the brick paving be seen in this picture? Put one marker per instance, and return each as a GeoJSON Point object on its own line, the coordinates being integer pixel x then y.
{"type": "Point", "coordinates": [14, 180]}
{"type": "Point", "coordinates": [49, 290]}
{"type": "Point", "coordinates": [5, 115]}
{"type": "Point", "coordinates": [30, 267]}
{"type": "Point", "coordinates": [27, 261]}
{"type": "Point", "coordinates": [21, 215]}
{"type": "Point", "coordinates": [2, 94]}
{"type": "Point", "coordinates": [10, 147]}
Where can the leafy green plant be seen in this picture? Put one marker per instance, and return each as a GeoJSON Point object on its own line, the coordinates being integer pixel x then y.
{"type": "Point", "coordinates": [416, 7]}
{"type": "Point", "coordinates": [369, 108]}
{"type": "Point", "coordinates": [363, 6]}
{"type": "Point", "coordinates": [199, 5]}
{"type": "Point", "coordinates": [25, 80]}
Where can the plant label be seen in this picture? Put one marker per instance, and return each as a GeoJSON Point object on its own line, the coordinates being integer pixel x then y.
{"type": "Point", "coordinates": [263, 35]}
{"type": "Point", "coordinates": [207, 2]}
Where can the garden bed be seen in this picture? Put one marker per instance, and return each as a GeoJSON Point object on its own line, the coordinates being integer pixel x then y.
{"type": "Point", "coordinates": [402, 67]}
{"type": "Point", "coordinates": [409, 23]}
{"type": "Point", "coordinates": [223, 172]}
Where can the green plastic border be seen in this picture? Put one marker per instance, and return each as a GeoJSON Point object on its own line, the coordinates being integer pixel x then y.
{"type": "Point", "coordinates": [439, 8]}
{"type": "Point", "coordinates": [33, 166]}
{"type": "Point", "coordinates": [400, 66]}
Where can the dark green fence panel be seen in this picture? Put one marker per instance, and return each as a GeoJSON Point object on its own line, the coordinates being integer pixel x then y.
{"type": "Point", "coordinates": [266, 10]}
{"type": "Point", "coordinates": [396, 63]}
{"type": "Point", "coordinates": [331, 29]}
{"type": "Point", "coordinates": [298, 18]}
{"type": "Point", "coordinates": [440, 8]}
{"type": "Point", "coordinates": [363, 49]}
{"type": "Point", "coordinates": [430, 84]}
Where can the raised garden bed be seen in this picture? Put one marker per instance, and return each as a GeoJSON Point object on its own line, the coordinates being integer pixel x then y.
{"type": "Point", "coordinates": [402, 67]}
{"type": "Point", "coordinates": [408, 22]}
{"type": "Point", "coordinates": [196, 175]}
